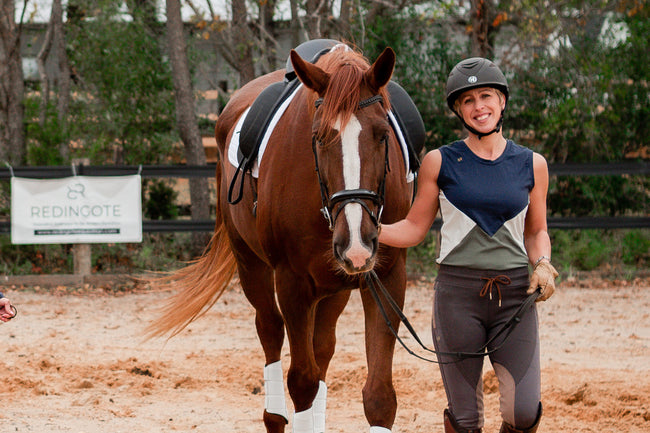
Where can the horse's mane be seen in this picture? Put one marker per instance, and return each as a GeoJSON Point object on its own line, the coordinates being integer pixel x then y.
{"type": "Point", "coordinates": [346, 68]}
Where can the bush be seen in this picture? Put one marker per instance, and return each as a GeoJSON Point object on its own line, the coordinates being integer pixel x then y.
{"type": "Point", "coordinates": [621, 252]}
{"type": "Point", "coordinates": [157, 252]}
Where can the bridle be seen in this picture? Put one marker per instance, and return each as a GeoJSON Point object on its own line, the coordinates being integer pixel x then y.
{"type": "Point", "coordinates": [357, 195]}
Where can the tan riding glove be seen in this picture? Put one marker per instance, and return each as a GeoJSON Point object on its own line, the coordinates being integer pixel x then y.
{"type": "Point", "coordinates": [543, 277]}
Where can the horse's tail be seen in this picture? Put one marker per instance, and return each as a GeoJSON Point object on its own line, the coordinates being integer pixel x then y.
{"type": "Point", "coordinates": [199, 285]}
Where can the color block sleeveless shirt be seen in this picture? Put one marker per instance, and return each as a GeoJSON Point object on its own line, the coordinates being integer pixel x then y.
{"type": "Point", "coordinates": [483, 205]}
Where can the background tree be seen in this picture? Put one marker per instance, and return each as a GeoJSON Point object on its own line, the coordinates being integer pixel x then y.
{"type": "Point", "coordinates": [124, 109]}
{"type": "Point", "coordinates": [577, 69]}
{"type": "Point", "coordinates": [12, 86]}
{"type": "Point", "coordinates": [186, 121]}
{"type": "Point", "coordinates": [55, 36]}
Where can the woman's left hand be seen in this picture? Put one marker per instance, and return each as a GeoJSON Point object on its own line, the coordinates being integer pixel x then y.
{"type": "Point", "coordinates": [543, 277]}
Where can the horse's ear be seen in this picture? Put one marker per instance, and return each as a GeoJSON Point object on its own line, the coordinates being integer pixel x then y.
{"type": "Point", "coordinates": [311, 75]}
{"type": "Point", "coordinates": [380, 72]}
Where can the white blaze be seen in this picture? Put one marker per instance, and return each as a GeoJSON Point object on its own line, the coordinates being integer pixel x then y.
{"type": "Point", "coordinates": [356, 251]}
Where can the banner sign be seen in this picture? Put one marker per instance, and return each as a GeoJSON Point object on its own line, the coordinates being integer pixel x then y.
{"type": "Point", "coordinates": [78, 209]}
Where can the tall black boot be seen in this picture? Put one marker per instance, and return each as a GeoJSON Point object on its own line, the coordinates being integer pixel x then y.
{"type": "Point", "coordinates": [507, 428]}
{"type": "Point", "coordinates": [451, 425]}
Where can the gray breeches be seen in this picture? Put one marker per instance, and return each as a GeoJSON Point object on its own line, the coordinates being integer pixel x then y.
{"type": "Point", "coordinates": [463, 321]}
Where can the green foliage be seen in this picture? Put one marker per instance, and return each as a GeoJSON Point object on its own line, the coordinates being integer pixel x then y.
{"type": "Point", "coordinates": [44, 141]}
{"type": "Point", "coordinates": [636, 248]}
{"type": "Point", "coordinates": [426, 51]}
{"type": "Point", "coordinates": [34, 259]}
{"type": "Point", "coordinates": [599, 195]}
{"type": "Point", "coordinates": [157, 252]}
{"type": "Point", "coordinates": [206, 127]}
{"type": "Point", "coordinates": [160, 202]}
{"type": "Point", "coordinates": [124, 111]}
{"type": "Point", "coordinates": [582, 96]}
{"type": "Point", "coordinates": [622, 251]}
{"type": "Point", "coordinates": [582, 250]}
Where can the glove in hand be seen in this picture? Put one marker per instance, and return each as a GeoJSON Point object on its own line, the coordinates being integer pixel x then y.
{"type": "Point", "coordinates": [543, 277]}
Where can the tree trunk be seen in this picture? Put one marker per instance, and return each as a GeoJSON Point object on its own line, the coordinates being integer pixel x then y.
{"type": "Point", "coordinates": [295, 24]}
{"type": "Point", "coordinates": [41, 61]}
{"type": "Point", "coordinates": [186, 119]}
{"type": "Point", "coordinates": [480, 18]}
{"type": "Point", "coordinates": [65, 79]}
{"type": "Point", "coordinates": [344, 19]}
{"type": "Point", "coordinates": [12, 88]}
{"type": "Point", "coordinates": [242, 39]}
{"type": "Point", "coordinates": [313, 19]}
{"type": "Point", "coordinates": [268, 43]}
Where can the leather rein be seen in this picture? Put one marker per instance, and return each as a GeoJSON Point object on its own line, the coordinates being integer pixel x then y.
{"type": "Point", "coordinates": [375, 286]}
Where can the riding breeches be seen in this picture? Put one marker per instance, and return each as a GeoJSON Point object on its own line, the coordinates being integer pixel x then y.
{"type": "Point", "coordinates": [469, 307]}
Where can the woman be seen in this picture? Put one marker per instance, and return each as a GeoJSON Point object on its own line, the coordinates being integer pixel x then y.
{"type": "Point", "coordinates": [491, 194]}
{"type": "Point", "coordinates": [7, 311]}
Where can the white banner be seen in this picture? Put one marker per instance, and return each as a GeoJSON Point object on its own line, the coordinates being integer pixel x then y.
{"type": "Point", "coordinates": [79, 209]}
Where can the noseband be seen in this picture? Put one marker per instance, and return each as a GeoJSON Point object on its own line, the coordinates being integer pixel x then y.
{"type": "Point", "coordinates": [347, 196]}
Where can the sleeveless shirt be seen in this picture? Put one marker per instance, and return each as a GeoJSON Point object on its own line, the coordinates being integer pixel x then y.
{"type": "Point", "coordinates": [483, 205]}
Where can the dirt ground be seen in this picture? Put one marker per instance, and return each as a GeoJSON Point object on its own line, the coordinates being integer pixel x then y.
{"type": "Point", "coordinates": [74, 360]}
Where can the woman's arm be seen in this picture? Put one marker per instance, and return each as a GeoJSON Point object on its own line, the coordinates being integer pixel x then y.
{"type": "Point", "coordinates": [536, 238]}
{"type": "Point", "coordinates": [411, 230]}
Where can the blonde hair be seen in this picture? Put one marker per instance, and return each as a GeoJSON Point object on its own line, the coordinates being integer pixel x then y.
{"type": "Point", "coordinates": [499, 93]}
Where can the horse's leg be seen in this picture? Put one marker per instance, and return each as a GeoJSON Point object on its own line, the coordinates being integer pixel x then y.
{"type": "Point", "coordinates": [379, 399]}
{"type": "Point", "coordinates": [327, 313]}
{"type": "Point", "coordinates": [298, 305]}
{"type": "Point", "coordinates": [256, 279]}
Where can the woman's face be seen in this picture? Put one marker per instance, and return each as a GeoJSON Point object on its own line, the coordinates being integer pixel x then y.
{"type": "Point", "coordinates": [481, 108]}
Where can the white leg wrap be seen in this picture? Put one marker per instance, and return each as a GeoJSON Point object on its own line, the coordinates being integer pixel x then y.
{"type": "Point", "coordinates": [320, 405]}
{"type": "Point", "coordinates": [303, 422]}
{"type": "Point", "coordinates": [376, 429]}
{"type": "Point", "coordinates": [274, 401]}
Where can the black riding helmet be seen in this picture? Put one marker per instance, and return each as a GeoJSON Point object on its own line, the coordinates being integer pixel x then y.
{"type": "Point", "coordinates": [471, 74]}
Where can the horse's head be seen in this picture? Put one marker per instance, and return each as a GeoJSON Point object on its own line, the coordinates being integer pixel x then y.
{"type": "Point", "coordinates": [350, 136]}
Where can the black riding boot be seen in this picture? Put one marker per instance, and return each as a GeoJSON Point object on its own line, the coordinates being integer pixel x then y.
{"type": "Point", "coordinates": [507, 428]}
{"type": "Point", "coordinates": [451, 425]}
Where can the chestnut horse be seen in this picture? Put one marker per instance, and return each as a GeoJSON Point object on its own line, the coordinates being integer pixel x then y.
{"type": "Point", "coordinates": [332, 153]}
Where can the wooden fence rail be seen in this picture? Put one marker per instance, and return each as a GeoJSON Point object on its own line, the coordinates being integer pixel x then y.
{"type": "Point", "coordinates": [189, 171]}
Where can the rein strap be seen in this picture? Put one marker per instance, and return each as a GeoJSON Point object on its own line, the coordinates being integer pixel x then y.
{"type": "Point", "coordinates": [373, 282]}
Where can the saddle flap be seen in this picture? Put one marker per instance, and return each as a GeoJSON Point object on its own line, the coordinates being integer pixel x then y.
{"type": "Point", "coordinates": [409, 121]}
{"type": "Point", "coordinates": [256, 122]}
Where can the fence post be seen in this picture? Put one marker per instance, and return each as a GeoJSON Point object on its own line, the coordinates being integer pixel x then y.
{"type": "Point", "coordinates": [81, 253]}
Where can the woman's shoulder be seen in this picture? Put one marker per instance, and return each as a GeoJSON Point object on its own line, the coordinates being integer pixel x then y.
{"type": "Point", "coordinates": [433, 157]}
{"type": "Point", "coordinates": [431, 164]}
